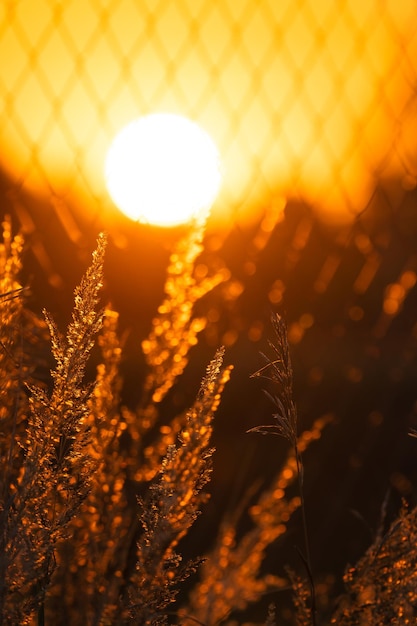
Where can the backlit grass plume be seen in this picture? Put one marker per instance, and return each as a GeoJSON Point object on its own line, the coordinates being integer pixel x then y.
{"type": "Point", "coordinates": [13, 406]}
{"type": "Point", "coordinates": [173, 502]}
{"type": "Point", "coordinates": [382, 588]}
{"type": "Point", "coordinates": [231, 575]}
{"type": "Point", "coordinates": [11, 311]}
{"type": "Point", "coordinates": [174, 332]}
{"type": "Point", "coordinates": [89, 571]}
{"type": "Point", "coordinates": [278, 370]}
{"type": "Point", "coordinates": [55, 474]}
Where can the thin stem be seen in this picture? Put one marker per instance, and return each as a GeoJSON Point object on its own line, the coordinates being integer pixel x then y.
{"type": "Point", "coordinates": [300, 472]}
{"type": "Point", "coordinates": [41, 614]}
{"type": "Point", "coordinates": [9, 466]}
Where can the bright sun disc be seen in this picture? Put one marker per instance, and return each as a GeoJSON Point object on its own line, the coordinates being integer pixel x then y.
{"type": "Point", "coordinates": [163, 169]}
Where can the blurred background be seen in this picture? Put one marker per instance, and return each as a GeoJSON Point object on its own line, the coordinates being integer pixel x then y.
{"type": "Point", "coordinates": [313, 107]}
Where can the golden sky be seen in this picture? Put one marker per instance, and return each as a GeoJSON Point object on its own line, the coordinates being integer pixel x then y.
{"type": "Point", "coordinates": [307, 98]}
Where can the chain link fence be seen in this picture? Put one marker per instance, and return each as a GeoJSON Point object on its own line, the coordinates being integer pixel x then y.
{"type": "Point", "coordinates": [312, 99]}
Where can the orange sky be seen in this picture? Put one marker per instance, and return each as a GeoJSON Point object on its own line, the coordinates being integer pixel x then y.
{"type": "Point", "coordinates": [310, 98]}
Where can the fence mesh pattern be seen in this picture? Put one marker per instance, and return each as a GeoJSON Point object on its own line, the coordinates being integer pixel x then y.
{"type": "Point", "coordinates": [308, 98]}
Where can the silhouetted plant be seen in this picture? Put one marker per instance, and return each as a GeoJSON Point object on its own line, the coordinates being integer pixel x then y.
{"type": "Point", "coordinates": [278, 370]}
{"type": "Point", "coordinates": [231, 577]}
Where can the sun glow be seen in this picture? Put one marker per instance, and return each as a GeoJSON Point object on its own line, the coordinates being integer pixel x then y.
{"type": "Point", "coordinates": [322, 114]}
{"type": "Point", "coordinates": [163, 169]}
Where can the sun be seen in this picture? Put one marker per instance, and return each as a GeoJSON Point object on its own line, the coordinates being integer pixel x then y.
{"type": "Point", "coordinates": [163, 169]}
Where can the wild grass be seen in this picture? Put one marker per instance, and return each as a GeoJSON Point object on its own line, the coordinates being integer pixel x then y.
{"type": "Point", "coordinates": [96, 498]}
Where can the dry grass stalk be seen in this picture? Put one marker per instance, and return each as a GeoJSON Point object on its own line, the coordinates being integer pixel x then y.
{"type": "Point", "coordinates": [382, 588]}
{"type": "Point", "coordinates": [90, 567]}
{"type": "Point", "coordinates": [231, 577]}
{"type": "Point", "coordinates": [173, 503]}
{"type": "Point", "coordinates": [54, 476]}
{"type": "Point", "coordinates": [278, 370]}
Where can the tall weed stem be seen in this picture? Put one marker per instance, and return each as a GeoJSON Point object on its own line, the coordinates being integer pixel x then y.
{"type": "Point", "coordinates": [278, 370]}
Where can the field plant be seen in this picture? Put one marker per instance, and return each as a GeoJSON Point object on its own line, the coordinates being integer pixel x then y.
{"type": "Point", "coordinates": [97, 498]}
